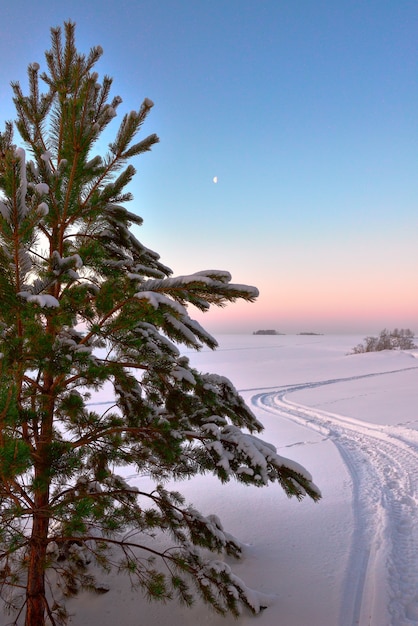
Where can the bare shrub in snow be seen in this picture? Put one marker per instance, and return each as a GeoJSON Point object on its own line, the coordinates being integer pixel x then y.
{"type": "Point", "coordinates": [402, 339]}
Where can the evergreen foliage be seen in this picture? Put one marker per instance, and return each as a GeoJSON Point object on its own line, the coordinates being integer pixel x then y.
{"type": "Point", "coordinates": [84, 303]}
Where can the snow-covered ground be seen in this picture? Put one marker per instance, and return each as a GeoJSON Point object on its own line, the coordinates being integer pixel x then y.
{"type": "Point", "coordinates": [350, 559]}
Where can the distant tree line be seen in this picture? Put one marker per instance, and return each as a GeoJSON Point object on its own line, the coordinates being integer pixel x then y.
{"type": "Point", "coordinates": [398, 339]}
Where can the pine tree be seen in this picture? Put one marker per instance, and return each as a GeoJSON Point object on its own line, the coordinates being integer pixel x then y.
{"type": "Point", "coordinates": [84, 303]}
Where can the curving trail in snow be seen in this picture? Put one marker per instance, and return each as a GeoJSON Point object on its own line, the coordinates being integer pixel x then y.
{"type": "Point", "coordinates": [381, 583]}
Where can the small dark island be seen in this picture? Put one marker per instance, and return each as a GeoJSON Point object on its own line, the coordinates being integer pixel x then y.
{"type": "Point", "coordinates": [267, 332]}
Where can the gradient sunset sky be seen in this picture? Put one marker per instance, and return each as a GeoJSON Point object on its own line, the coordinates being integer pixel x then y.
{"type": "Point", "coordinates": [305, 110]}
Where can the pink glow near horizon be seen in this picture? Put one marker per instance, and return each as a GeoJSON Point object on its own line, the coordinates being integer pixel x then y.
{"type": "Point", "coordinates": [326, 313]}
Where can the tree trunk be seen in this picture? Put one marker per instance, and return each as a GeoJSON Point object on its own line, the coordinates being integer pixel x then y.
{"type": "Point", "coordinates": [36, 602]}
{"type": "Point", "coordinates": [35, 589]}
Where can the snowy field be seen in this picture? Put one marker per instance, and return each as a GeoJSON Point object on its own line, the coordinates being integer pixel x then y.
{"type": "Point", "coordinates": [352, 558]}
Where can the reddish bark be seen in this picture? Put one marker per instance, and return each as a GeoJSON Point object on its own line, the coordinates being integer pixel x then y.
{"type": "Point", "coordinates": [35, 590]}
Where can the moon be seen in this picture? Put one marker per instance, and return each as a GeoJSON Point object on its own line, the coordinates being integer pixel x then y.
{"type": "Point", "coordinates": [215, 179]}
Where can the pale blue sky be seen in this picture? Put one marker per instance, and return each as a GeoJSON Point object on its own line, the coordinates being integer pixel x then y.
{"type": "Point", "coordinates": [306, 111]}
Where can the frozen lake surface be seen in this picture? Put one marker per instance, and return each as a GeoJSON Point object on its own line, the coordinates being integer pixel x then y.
{"type": "Point", "coordinates": [351, 420]}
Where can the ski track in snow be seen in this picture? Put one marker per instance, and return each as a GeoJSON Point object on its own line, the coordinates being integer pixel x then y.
{"type": "Point", "coordinates": [382, 461]}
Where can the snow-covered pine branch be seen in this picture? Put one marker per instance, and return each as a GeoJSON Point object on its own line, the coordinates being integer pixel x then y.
{"type": "Point", "coordinates": [87, 307]}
